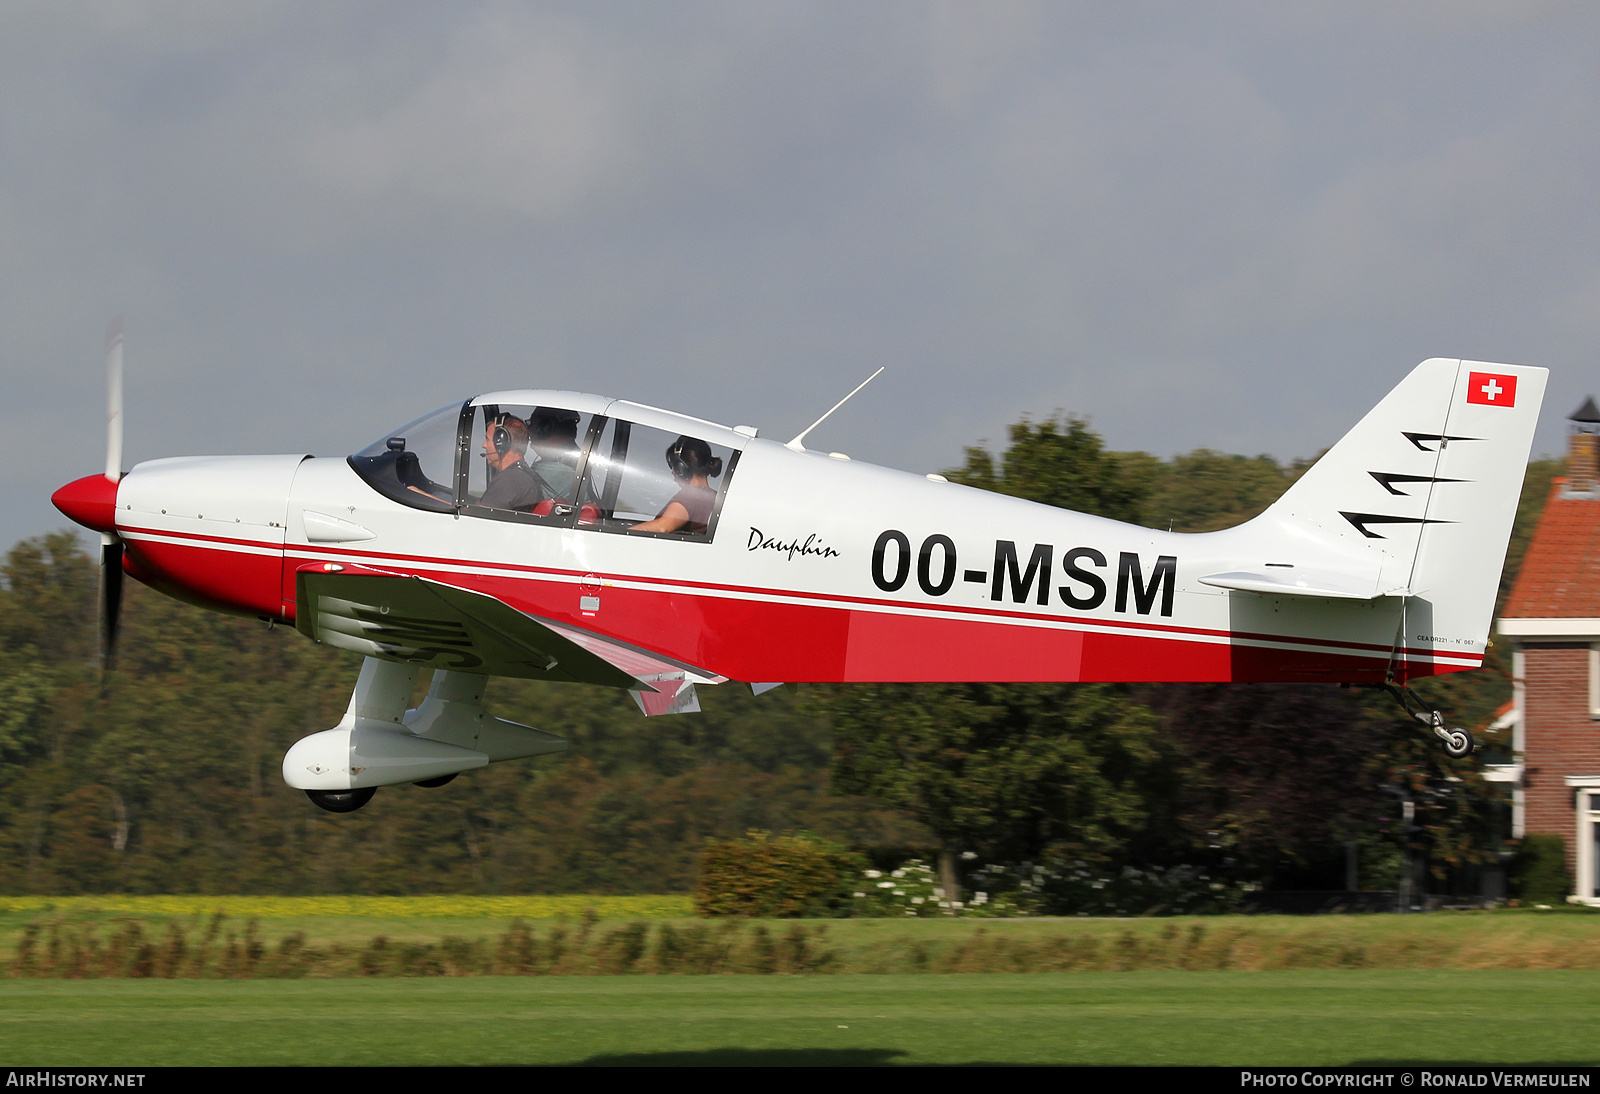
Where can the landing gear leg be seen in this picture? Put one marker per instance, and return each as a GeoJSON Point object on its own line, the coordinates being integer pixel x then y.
{"type": "Point", "coordinates": [1457, 741]}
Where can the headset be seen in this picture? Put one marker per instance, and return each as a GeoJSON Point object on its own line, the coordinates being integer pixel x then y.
{"type": "Point", "coordinates": [684, 464]}
{"type": "Point", "coordinates": [501, 436]}
{"type": "Point", "coordinates": [548, 422]}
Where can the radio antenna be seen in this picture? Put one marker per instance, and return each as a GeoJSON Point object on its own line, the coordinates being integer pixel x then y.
{"type": "Point", "coordinates": [796, 445]}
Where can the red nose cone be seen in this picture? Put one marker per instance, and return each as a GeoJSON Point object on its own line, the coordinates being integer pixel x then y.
{"type": "Point", "coordinates": [91, 501]}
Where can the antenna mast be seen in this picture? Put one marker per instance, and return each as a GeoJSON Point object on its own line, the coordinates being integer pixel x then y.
{"type": "Point", "coordinates": [796, 445]}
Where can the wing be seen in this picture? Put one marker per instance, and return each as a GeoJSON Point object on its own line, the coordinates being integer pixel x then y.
{"type": "Point", "coordinates": [399, 617]}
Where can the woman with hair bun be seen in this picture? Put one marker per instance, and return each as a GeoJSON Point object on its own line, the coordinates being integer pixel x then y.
{"type": "Point", "coordinates": [692, 466]}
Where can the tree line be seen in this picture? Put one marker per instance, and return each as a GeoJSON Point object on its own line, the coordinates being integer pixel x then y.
{"type": "Point", "coordinates": [164, 775]}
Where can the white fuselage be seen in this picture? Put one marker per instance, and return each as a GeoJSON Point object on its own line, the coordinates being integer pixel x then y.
{"type": "Point", "coordinates": [817, 569]}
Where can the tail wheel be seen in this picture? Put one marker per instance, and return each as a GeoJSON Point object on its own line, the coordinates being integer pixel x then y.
{"type": "Point", "coordinates": [341, 801]}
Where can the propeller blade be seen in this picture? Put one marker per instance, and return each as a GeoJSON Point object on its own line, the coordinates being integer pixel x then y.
{"type": "Point", "coordinates": [110, 544]}
{"type": "Point", "coordinates": [110, 597]}
{"type": "Point", "coordinates": [114, 399]}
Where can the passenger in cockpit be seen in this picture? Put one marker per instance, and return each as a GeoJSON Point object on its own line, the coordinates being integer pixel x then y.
{"type": "Point", "coordinates": [512, 485]}
{"type": "Point", "coordinates": [553, 439]}
{"type": "Point", "coordinates": [692, 466]}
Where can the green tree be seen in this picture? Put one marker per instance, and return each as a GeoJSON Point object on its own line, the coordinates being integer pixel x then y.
{"type": "Point", "coordinates": [48, 604]}
{"type": "Point", "coordinates": [1000, 770]}
{"type": "Point", "coordinates": [1274, 776]}
{"type": "Point", "coordinates": [1205, 491]}
{"type": "Point", "coordinates": [1061, 462]}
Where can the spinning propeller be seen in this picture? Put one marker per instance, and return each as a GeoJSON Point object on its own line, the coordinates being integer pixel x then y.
{"type": "Point", "coordinates": [110, 542]}
{"type": "Point", "coordinates": [92, 500]}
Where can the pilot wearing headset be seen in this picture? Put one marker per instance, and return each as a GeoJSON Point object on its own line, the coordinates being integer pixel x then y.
{"type": "Point", "coordinates": [693, 466]}
{"type": "Point", "coordinates": [511, 484]}
{"type": "Point", "coordinates": [553, 441]}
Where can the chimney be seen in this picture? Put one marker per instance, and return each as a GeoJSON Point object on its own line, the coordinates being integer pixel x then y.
{"type": "Point", "coordinates": [1583, 452]}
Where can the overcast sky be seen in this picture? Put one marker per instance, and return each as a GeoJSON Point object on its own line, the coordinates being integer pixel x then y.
{"type": "Point", "coordinates": [1232, 226]}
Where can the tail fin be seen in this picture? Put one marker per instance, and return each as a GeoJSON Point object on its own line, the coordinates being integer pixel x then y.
{"type": "Point", "coordinates": [1419, 497]}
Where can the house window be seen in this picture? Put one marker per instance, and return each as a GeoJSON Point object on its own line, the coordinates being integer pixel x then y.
{"type": "Point", "coordinates": [1588, 810]}
{"type": "Point", "coordinates": [1594, 681]}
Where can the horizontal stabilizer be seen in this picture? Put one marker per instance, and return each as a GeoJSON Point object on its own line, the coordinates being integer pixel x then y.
{"type": "Point", "coordinates": [1292, 581]}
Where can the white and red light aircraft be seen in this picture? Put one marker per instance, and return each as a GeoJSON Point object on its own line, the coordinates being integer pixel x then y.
{"type": "Point", "coordinates": [569, 537]}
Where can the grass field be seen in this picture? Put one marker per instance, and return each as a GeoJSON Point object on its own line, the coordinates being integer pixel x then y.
{"type": "Point", "coordinates": [1499, 987]}
{"type": "Point", "coordinates": [1149, 1018]}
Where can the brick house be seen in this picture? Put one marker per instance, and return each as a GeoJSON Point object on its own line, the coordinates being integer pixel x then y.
{"type": "Point", "coordinates": [1552, 618]}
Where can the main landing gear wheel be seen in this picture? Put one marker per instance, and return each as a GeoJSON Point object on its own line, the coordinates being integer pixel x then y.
{"type": "Point", "coordinates": [342, 801]}
{"type": "Point", "coordinates": [440, 781]}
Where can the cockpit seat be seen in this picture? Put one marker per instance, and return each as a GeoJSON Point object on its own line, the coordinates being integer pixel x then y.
{"type": "Point", "coordinates": [587, 512]}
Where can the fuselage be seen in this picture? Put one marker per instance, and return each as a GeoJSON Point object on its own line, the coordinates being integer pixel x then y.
{"type": "Point", "coordinates": [811, 568]}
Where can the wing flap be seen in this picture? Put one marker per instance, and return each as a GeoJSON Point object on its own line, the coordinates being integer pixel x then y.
{"type": "Point", "coordinates": [640, 663]}
{"type": "Point", "coordinates": [403, 618]}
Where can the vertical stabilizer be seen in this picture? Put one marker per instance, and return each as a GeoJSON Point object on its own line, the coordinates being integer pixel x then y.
{"type": "Point", "coordinates": [1419, 498]}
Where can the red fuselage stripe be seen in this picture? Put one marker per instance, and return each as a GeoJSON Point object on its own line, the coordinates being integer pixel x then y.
{"type": "Point", "coordinates": [781, 603]}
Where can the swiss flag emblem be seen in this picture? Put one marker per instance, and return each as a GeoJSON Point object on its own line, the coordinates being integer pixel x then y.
{"type": "Point", "coordinates": [1491, 389]}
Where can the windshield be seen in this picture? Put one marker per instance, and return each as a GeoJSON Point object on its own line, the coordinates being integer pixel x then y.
{"type": "Point", "coordinates": [415, 464]}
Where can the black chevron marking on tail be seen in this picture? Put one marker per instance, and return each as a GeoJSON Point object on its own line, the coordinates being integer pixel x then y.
{"type": "Point", "coordinates": [1418, 439]}
{"type": "Point", "coordinates": [1387, 480]}
{"type": "Point", "coordinates": [1361, 520]}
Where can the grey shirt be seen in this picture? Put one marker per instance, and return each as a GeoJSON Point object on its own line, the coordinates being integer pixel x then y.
{"type": "Point", "coordinates": [515, 487]}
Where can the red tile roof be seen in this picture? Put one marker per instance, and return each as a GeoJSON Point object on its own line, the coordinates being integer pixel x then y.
{"type": "Point", "coordinates": [1498, 720]}
{"type": "Point", "coordinates": [1560, 575]}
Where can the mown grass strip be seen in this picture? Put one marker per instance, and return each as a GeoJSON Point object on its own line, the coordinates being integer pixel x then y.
{"type": "Point", "coordinates": [1371, 1017]}
{"type": "Point", "coordinates": [420, 907]}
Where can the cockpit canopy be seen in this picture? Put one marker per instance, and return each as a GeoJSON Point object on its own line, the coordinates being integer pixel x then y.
{"type": "Point", "coordinates": [415, 465]}
{"type": "Point", "coordinates": [559, 458]}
